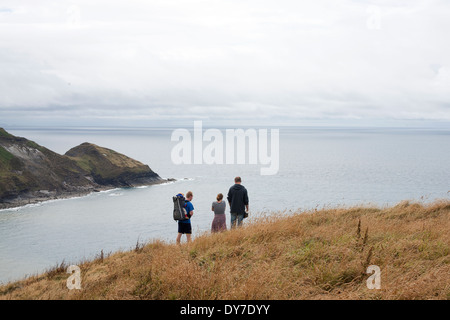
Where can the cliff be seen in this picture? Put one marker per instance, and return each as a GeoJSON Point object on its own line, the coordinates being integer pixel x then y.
{"type": "Point", "coordinates": [30, 172]}
{"type": "Point", "coordinates": [110, 168]}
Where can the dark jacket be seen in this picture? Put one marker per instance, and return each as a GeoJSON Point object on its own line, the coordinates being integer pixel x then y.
{"type": "Point", "coordinates": [238, 199]}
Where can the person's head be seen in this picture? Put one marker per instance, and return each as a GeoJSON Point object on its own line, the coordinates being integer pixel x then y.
{"type": "Point", "coordinates": [237, 180]}
{"type": "Point", "coordinates": [219, 197]}
{"type": "Point", "coordinates": [189, 195]}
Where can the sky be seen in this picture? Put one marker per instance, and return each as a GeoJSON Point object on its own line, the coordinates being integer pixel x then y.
{"type": "Point", "coordinates": [156, 62]}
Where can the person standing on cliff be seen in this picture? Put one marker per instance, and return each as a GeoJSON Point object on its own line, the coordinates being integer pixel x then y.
{"type": "Point", "coordinates": [218, 207]}
{"type": "Point", "coordinates": [184, 226]}
{"type": "Point", "coordinates": [238, 201]}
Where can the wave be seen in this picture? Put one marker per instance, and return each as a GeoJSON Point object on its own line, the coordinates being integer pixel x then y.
{"type": "Point", "coordinates": [112, 193]}
{"type": "Point", "coordinates": [172, 181]}
{"type": "Point", "coordinates": [115, 194]}
{"type": "Point", "coordinates": [42, 203]}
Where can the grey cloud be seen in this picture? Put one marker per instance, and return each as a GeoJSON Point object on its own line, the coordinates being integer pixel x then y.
{"type": "Point", "coordinates": [250, 60]}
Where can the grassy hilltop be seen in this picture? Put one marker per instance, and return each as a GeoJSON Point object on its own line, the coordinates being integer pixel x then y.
{"type": "Point", "coordinates": [320, 254]}
{"type": "Point", "coordinates": [30, 172]}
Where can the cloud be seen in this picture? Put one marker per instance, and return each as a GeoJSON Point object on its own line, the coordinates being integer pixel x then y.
{"type": "Point", "coordinates": [251, 60]}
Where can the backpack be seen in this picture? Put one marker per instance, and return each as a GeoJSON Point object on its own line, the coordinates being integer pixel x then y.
{"type": "Point", "coordinates": [179, 208]}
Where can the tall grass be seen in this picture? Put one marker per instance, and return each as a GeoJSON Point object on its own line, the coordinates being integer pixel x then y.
{"type": "Point", "coordinates": [318, 254]}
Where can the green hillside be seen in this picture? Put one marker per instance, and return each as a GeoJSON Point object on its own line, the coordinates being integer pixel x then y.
{"type": "Point", "coordinates": [30, 172]}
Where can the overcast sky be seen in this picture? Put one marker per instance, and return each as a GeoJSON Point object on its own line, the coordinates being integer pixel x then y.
{"type": "Point", "coordinates": [152, 61]}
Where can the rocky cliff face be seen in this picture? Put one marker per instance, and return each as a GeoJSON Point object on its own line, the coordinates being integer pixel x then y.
{"type": "Point", "coordinates": [30, 172]}
{"type": "Point", "coordinates": [108, 167]}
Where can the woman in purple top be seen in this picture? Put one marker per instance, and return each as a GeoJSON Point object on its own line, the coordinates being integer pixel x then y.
{"type": "Point", "coordinates": [219, 223]}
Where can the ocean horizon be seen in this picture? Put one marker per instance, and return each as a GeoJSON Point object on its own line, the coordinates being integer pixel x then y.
{"type": "Point", "coordinates": [318, 167]}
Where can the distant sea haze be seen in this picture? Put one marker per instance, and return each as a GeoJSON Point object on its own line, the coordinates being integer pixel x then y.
{"type": "Point", "coordinates": [317, 167]}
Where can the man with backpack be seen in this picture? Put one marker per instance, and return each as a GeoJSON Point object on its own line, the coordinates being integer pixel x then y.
{"type": "Point", "coordinates": [238, 201]}
{"type": "Point", "coordinates": [184, 226]}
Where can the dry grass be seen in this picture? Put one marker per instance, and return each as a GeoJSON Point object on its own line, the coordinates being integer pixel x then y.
{"type": "Point", "coordinates": [320, 254]}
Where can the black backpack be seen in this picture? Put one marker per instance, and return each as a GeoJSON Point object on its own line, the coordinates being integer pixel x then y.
{"type": "Point", "coordinates": [179, 208]}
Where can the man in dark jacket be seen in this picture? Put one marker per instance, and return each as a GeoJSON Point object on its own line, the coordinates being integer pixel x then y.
{"type": "Point", "coordinates": [238, 201]}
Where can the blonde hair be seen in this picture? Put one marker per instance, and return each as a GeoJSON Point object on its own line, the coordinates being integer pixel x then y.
{"type": "Point", "coordinates": [219, 197]}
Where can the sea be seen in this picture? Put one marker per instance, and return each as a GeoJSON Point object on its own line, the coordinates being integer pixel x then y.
{"type": "Point", "coordinates": [318, 167]}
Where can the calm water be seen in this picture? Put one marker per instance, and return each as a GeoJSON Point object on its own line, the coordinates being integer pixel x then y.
{"type": "Point", "coordinates": [318, 167]}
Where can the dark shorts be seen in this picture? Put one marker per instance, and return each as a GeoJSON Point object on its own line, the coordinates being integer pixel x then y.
{"type": "Point", "coordinates": [184, 228]}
